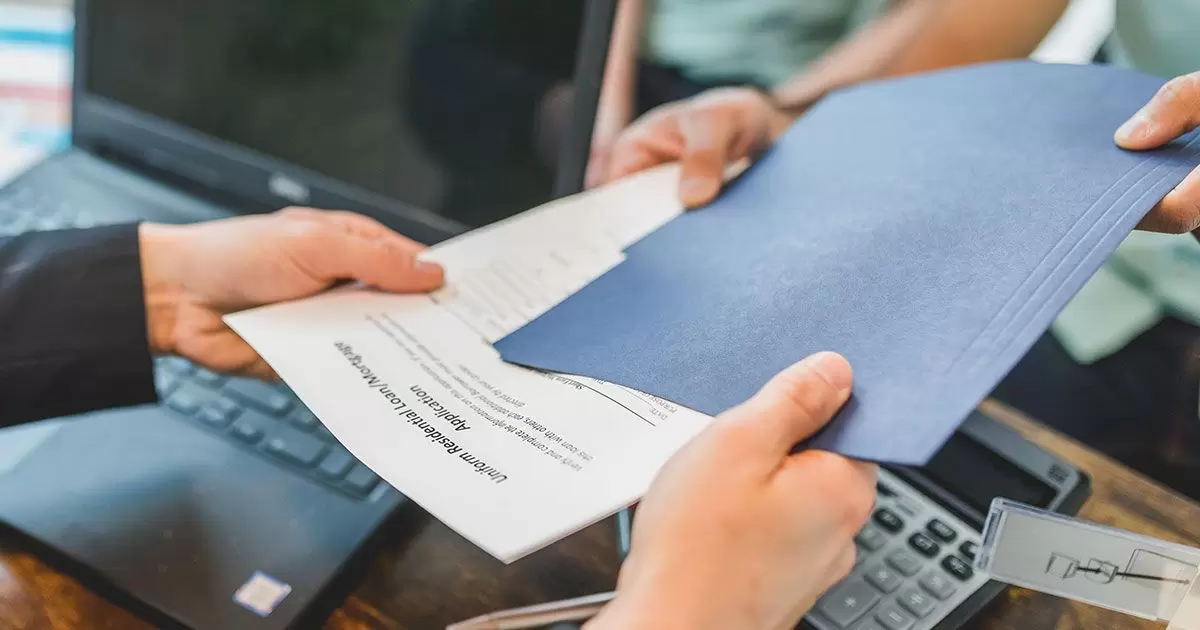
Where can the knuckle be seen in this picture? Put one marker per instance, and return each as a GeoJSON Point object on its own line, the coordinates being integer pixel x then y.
{"type": "Point", "coordinates": [1184, 88]}
{"type": "Point", "coordinates": [807, 392]}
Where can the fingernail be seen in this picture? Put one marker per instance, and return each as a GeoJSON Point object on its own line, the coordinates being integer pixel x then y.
{"type": "Point", "coordinates": [424, 266]}
{"type": "Point", "coordinates": [697, 191]}
{"type": "Point", "coordinates": [1136, 126]}
{"type": "Point", "coordinates": [833, 368]}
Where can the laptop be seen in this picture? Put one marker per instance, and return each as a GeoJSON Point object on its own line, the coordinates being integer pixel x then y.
{"type": "Point", "coordinates": [229, 505]}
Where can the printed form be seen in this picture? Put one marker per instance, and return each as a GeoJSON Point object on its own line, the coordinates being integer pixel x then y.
{"type": "Point", "coordinates": [512, 459]}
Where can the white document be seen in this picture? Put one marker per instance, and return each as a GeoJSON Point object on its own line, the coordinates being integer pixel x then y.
{"type": "Point", "coordinates": [512, 459]}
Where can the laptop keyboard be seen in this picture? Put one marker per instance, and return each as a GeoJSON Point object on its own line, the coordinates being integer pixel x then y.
{"type": "Point", "coordinates": [22, 209]}
{"type": "Point", "coordinates": [264, 419]}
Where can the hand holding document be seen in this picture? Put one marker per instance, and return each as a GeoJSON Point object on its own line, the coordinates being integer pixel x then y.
{"type": "Point", "coordinates": [928, 228]}
{"type": "Point", "coordinates": [510, 458]}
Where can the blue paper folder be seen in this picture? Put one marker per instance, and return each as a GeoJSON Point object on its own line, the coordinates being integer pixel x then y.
{"type": "Point", "coordinates": [929, 228]}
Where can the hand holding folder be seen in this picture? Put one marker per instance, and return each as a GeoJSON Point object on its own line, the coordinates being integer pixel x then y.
{"type": "Point", "coordinates": [929, 228]}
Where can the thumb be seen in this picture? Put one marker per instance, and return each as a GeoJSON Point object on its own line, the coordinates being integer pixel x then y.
{"type": "Point", "coordinates": [708, 136]}
{"type": "Point", "coordinates": [386, 264]}
{"type": "Point", "coordinates": [1174, 111]}
{"type": "Point", "coordinates": [798, 401]}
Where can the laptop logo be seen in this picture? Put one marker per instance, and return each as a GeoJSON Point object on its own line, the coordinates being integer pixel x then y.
{"type": "Point", "coordinates": [262, 593]}
{"type": "Point", "coordinates": [288, 188]}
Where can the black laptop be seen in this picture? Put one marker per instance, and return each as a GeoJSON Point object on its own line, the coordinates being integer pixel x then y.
{"type": "Point", "coordinates": [229, 505]}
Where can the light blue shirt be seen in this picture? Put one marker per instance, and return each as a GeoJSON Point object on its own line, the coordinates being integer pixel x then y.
{"type": "Point", "coordinates": [765, 41]}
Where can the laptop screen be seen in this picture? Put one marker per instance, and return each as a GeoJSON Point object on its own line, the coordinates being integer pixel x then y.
{"type": "Point", "coordinates": [454, 106]}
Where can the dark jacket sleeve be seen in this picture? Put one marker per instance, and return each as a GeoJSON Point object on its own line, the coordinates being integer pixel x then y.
{"type": "Point", "coordinates": [72, 324]}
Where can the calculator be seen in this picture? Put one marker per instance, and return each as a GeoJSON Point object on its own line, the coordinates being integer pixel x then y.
{"type": "Point", "coordinates": [915, 568]}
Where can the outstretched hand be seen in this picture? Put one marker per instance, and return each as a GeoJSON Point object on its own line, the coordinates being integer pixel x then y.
{"type": "Point", "coordinates": [193, 275]}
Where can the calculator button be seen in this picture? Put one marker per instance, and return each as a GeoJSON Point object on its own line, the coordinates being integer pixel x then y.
{"type": "Point", "coordinates": [885, 578]}
{"type": "Point", "coordinates": [891, 617]}
{"type": "Point", "coordinates": [906, 506]}
{"type": "Point", "coordinates": [884, 491]}
{"type": "Point", "coordinates": [905, 563]}
{"type": "Point", "coordinates": [849, 602]}
{"type": "Point", "coordinates": [969, 549]}
{"type": "Point", "coordinates": [958, 568]}
{"type": "Point", "coordinates": [871, 539]}
{"type": "Point", "coordinates": [869, 624]}
{"type": "Point", "coordinates": [924, 545]}
{"type": "Point", "coordinates": [916, 602]}
{"type": "Point", "coordinates": [888, 520]}
{"type": "Point", "coordinates": [936, 584]}
{"type": "Point", "coordinates": [941, 531]}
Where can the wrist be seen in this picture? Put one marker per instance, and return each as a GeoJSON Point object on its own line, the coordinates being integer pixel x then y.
{"type": "Point", "coordinates": [159, 247]}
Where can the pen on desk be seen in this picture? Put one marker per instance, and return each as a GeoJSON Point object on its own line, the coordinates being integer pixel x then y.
{"type": "Point", "coordinates": [538, 615]}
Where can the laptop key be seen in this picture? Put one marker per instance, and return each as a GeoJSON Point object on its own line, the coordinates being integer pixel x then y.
{"type": "Point", "coordinates": [323, 434]}
{"type": "Point", "coordinates": [259, 395]}
{"type": "Point", "coordinates": [184, 402]}
{"type": "Point", "coordinates": [165, 382]}
{"type": "Point", "coordinates": [360, 481]}
{"type": "Point", "coordinates": [208, 378]}
{"type": "Point", "coordinates": [849, 602]}
{"type": "Point", "coordinates": [246, 432]}
{"type": "Point", "coordinates": [176, 365]}
{"type": "Point", "coordinates": [214, 418]}
{"type": "Point", "coordinates": [303, 419]}
{"type": "Point", "coordinates": [335, 465]}
{"type": "Point", "coordinates": [226, 406]}
{"type": "Point", "coordinates": [294, 447]}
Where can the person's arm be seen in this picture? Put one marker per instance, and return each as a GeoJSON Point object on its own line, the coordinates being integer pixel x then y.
{"type": "Point", "coordinates": [721, 127]}
{"type": "Point", "coordinates": [615, 108]}
{"type": "Point", "coordinates": [83, 311]}
{"type": "Point", "coordinates": [918, 35]}
{"type": "Point", "coordinates": [72, 324]}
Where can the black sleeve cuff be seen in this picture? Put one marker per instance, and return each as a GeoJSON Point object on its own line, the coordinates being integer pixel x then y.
{"type": "Point", "coordinates": [73, 332]}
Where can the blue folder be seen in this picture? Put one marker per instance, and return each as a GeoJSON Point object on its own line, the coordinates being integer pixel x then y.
{"type": "Point", "coordinates": [929, 228]}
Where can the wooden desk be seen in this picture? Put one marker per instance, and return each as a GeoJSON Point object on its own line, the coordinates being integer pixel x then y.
{"type": "Point", "coordinates": [427, 576]}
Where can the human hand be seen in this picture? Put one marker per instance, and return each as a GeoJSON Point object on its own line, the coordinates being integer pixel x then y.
{"type": "Point", "coordinates": [739, 533]}
{"type": "Point", "coordinates": [611, 119]}
{"type": "Point", "coordinates": [705, 134]}
{"type": "Point", "coordinates": [192, 275]}
{"type": "Point", "coordinates": [1174, 111]}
